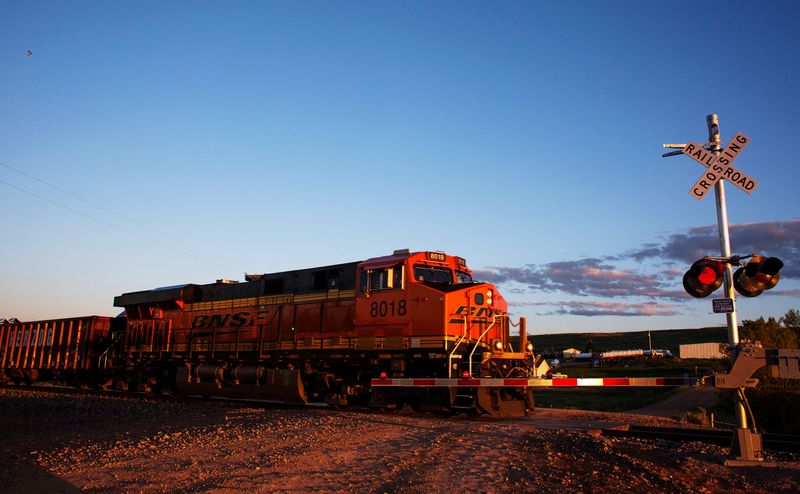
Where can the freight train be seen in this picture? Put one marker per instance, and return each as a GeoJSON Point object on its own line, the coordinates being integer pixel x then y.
{"type": "Point", "coordinates": [324, 335]}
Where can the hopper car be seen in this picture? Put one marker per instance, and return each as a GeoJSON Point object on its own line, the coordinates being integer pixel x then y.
{"type": "Point", "coordinates": [316, 335]}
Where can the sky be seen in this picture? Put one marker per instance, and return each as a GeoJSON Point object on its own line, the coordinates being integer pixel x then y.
{"type": "Point", "coordinates": [146, 144]}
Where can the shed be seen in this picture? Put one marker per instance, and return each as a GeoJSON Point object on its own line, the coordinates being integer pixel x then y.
{"type": "Point", "coordinates": [703, 350]}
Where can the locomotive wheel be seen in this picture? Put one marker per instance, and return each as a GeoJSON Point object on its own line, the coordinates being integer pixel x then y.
{"type": "Point", "coordinates": [384, 402]}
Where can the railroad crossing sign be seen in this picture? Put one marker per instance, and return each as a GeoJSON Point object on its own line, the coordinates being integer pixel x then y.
{"type": "Point", "coordinates": [720, 166]}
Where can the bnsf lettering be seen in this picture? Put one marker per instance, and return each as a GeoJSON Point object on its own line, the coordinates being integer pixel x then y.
{"type": "Point", "coordinates": [239, 319]}
{"type": "Point", "coordinates": [474, 312]}
{"type": "Point", "coordinates": [235, 320]}
{"type": "Point", "coordinates": [218, 320]}
{"type": "Point", "coordinates": [466, 311]}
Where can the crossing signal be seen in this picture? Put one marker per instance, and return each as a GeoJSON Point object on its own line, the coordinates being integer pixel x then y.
{"type": "Point", "coordinates": [759, 274]}
{"type": "Point", "coordinates": [703, 277]}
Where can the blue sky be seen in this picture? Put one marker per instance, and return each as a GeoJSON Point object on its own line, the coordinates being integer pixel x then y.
{"type": "Point", "coordinates": [145, 144]}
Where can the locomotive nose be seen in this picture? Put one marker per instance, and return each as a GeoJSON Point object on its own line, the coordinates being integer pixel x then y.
{"type": "Point", "coordinates": [482, 296]}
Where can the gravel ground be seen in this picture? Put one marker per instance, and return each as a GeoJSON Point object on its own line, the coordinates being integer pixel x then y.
{"type": "Point", "coordinates": [67, 443]}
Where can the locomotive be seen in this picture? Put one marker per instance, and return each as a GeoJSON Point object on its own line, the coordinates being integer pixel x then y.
{"type": "Point", "coordinates": [328, 334]}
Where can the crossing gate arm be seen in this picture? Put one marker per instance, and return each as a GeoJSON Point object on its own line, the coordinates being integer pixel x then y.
{"type": "Point", "coordinates": [565, 382]}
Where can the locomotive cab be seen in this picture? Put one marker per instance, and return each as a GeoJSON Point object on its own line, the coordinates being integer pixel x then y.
{"type": "Point", "coordinates": [430, 318]}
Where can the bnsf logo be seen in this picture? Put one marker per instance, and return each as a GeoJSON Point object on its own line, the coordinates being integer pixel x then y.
{"type": "Point", "coordinates": [478, 312]}
{"type": "Point", "coordinates": [482, 315]}
{"type": "Point", "coordinates": [235, 320]}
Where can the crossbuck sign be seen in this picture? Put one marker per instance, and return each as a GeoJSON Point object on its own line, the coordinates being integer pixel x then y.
{"type": "Point", "coordinates": [720, 166]}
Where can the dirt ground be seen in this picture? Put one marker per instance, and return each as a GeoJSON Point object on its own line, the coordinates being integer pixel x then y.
{"type": "Point", "coordinates": [67, 443]}
{"type": "Point", "coordinates": [684, 400]}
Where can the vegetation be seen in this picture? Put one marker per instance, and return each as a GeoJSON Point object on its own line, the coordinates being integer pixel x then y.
{"type": "Point", "coordinates": [698, 415]}
{"type": "Point", "coordinates": [774, 401]}
{"type": "Point", "coordinates": [647, 368]}
{"type": "Point", "coordinates": [773, 333]}
{"type": "Point", "coordinates": [666, 339]}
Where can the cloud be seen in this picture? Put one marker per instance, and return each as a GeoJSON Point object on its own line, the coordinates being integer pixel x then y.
{"type": "Point", "coordinates": [590, 276]}
{"type": "Point", "coordinates": [775, 238]}
{"type": "Point", "coordinates": [606, 277]}
{"type": "Point", "coordinates": [786, 293]}
{"type": "Point", "coordinates": [590, 309]}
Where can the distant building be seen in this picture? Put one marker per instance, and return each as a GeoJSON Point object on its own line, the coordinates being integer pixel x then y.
{"type": "Point", "coordinates": [570, 353]}
{"type": "Point", "coordinates": [703, 350]}
{"type": "Point", "coordinates": [541, 367]}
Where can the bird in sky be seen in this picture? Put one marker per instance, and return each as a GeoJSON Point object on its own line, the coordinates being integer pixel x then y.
{"type": "Point", "coordinates": [29, 53]}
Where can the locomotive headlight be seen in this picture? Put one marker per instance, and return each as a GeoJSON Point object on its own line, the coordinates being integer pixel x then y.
{"type": "Point", "coordinates": [489, 297]}
{"type": "Point", "coordinates": [529, 347]}
{"type": "Point", "coordinates": [498, 345]}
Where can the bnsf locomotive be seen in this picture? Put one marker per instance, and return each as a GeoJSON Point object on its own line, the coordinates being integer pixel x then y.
{"type": "Point", "coordinates": [330, 334]}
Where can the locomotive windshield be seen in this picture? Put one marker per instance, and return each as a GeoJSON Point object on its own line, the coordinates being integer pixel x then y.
{"type": "Point", "coordinates": [462, 277]}
{"type": "Point", "coordinates": [432, 274]}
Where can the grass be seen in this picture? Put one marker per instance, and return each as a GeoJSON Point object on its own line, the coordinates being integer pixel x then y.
{"type": "Point", "coordinates": [646, 368]}
{"type": "Point", "coordinates": [666, 339]}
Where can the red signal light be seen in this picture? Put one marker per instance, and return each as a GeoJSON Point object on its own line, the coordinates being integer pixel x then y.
{"type": "Point", "coordinates": [708, 276]}
{"type": "Point", "coordinates": [465, 375]}
{"type": "Point", "coordinates": [703, 277]}
{"type": "Point", "coordinates": [759, 274]}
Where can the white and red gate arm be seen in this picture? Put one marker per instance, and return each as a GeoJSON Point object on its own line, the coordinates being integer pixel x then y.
{"type": "Point", "coordinates": [565, 382]}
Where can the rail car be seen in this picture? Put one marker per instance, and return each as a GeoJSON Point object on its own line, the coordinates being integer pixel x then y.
{"type": "Point", "coordinates": [323, 334]}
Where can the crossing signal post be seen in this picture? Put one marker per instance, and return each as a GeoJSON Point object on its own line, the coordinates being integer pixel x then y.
{"type": "Point", "coordinates": [750, 281]}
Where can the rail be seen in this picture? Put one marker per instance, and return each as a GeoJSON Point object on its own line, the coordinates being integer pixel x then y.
{"type": "Point", "coordinates": [774, 442]}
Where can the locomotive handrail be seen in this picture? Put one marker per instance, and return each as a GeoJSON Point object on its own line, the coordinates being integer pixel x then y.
{"type": "Point", "coordinates": [494, 320]}
{"type": "Point", "coordinates": [450, 357]}
{"type": "Point", "coordinates": [104, 356]}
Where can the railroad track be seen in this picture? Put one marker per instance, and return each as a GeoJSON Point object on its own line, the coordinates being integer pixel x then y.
{"type": "Point", "coordinates": [771, 442]}
{"type": "Point", "coordinates": [721, 437]}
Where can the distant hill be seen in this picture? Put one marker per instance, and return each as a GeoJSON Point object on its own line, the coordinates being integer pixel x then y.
{"type": "Point", "coordinates": [666, 339]}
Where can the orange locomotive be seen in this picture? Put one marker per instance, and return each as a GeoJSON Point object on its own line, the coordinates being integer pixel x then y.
{"type": "Point", "coordinates": [329, 334]}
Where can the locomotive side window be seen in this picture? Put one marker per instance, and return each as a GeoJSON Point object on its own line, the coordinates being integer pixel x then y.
{"type": "Point", "coordinates": [463, 277]}
{"type": "Point", "coordinates": [383, 279]}
{"type": "Point", "coordinates": [432, 274]}
{"type": "Point", "coordinates": [379, 279]}
{"type": "Point", "coordinates": [397, 277]}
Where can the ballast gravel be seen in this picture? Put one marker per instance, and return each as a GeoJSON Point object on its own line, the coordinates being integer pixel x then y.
{"type": "Point", "coordinates": [53, 442]}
